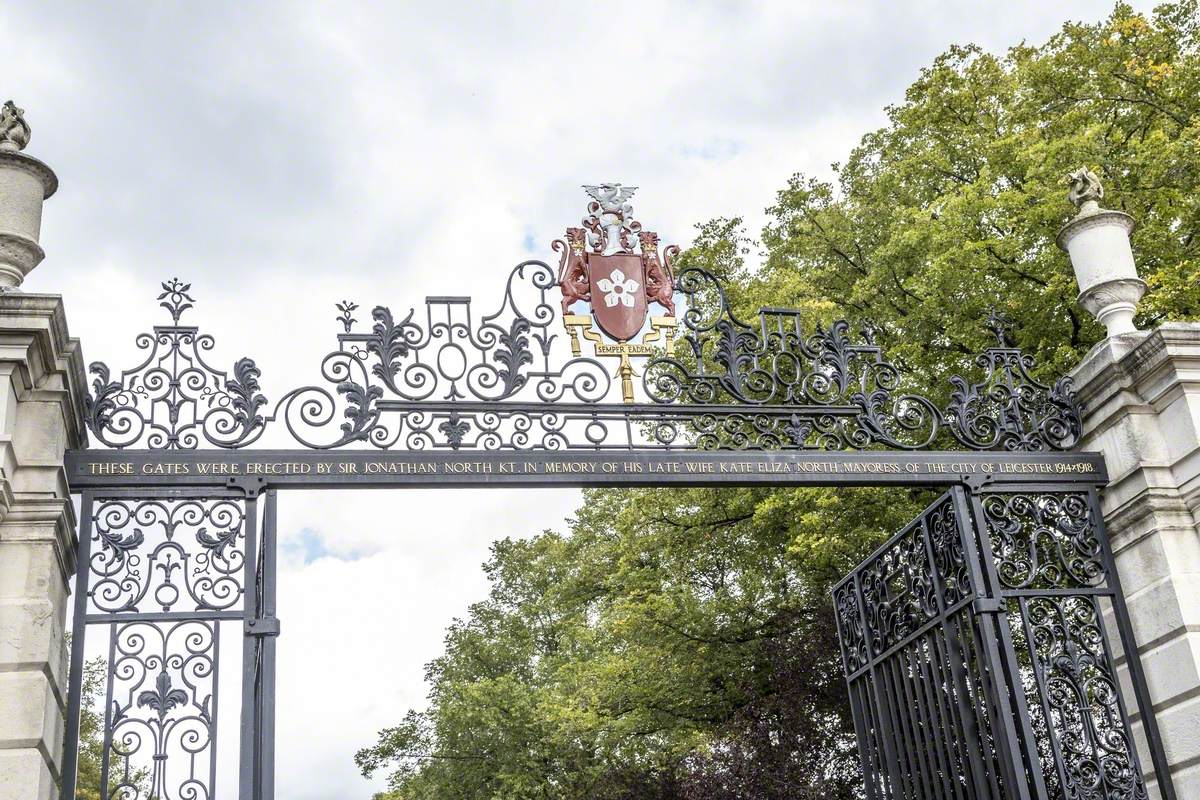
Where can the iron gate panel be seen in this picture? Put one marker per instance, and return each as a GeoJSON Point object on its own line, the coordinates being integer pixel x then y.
{"type": "Point", "coordinates": [169, 575]}
{"type": "Point", "coordinates": [978, 650]}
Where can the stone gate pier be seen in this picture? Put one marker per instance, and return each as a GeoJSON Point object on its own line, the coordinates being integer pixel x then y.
{"type": "Point", "coordinates": [1140, 392]}
{"type": "Point", "coordinates": [42, 391]}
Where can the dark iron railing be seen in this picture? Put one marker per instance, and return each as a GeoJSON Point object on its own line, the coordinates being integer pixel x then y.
{"type": "Point", "coordinates": [980, 646]}
{"type": "Point", "coordinates": [521, 379]}
{"type": "Point", "coordinates": [169, 578]}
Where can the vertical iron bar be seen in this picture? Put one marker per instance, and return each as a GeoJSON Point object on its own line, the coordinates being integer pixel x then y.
{"type": "Point", "coordinates": [856, 714]}
{"type": "Point", "coordinates": [1011, 669]}
{"type": "Point", "coordinates": [925, 741]}
{"type": "Point", "coordinates": [879, 772]}
{"type": "Point", "coordinates": [935, 736]}
{"type": "Point", "coordinates": [943, 736]}
{"type": "Point", "coordinates": [908, 777]}
{"type": "Point", "coordinates": [216, 685]}
{"type": "Point", "coordinates": [976, 689]}
{"type": "Point", "coordinates": [882, 734]}
{"type": "Point", "coordinates": [1133, 658]}
{"type": "Point", "coordinates": [994, 670]}
{"type": "Point", "coordinates": [956, 755]}
{"type": "Point", "coordinates": [267, 695]}
{"type": "Point", "coordinates": [78, 627]}
{"type": "Point", "coordinates": [856, 704]}
{"type": "Point", "coordinates": [247, 784]}
{"type": "Point", "coordinates": [960, 720]}
{"type": "Point", "coordinates": [939, 599]}
{"type": "Point", "coordinates": [917, 759]}
{"type": "Point", "coordinates": [107, 743]}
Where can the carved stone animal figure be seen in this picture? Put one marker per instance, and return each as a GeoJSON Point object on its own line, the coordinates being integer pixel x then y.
{"type": "Point", "coordinates": [660, 283]}
{"type": "Point", "coordinates": [14, 130]}
{"type": "Point", "coordinates": [1085, 187]}
{"type": "Point", "coordinates": [572, 271]}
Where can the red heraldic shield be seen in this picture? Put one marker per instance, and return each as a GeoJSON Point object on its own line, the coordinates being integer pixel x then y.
{"type": "Point", "coordinates": [618, 284]}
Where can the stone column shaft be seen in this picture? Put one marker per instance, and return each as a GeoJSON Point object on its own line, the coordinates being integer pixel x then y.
{"type": "Point", "coordinates": [41, 405]}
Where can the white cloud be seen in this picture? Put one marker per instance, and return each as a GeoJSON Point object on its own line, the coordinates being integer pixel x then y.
{"type": "Point", "coordinates": [285, 156]}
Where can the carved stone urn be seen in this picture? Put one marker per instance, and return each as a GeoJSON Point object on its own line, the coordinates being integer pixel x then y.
{"type": "Point", "coordinates": [1097, 241]}
{"type": "Point", "coordinates": [25, 183]}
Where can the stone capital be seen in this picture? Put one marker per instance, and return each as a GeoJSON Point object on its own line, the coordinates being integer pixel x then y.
{"type": "Point", "coordinates": [41, 416]}
{"type": "Point", "coordinates": [25, 163]}
{"type": "Point", "coordinates": [1085, 221]}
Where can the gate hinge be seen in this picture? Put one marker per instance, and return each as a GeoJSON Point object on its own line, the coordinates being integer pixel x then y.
{"type": "Point", "coordinates": [987, 605]}
{"type": "Point", "coordinates": [263, 626]}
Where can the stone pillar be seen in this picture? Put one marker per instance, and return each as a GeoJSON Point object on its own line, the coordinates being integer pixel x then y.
{"type": "Point", "coordinates": [1141, 397]}
{"type": "Point", "coordinates": [42, 389]}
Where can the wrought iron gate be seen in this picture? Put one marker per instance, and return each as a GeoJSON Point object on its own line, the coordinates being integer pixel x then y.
{"type": "Point", "coordinates": [978, 645]}
{"type": "Point", "coordinates": [975, 642]}
{"type": "Point", "coordinates": [169, 576]}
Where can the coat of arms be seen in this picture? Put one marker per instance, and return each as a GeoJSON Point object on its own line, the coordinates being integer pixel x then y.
{"type": "Point", "coordinates": [614, 266]}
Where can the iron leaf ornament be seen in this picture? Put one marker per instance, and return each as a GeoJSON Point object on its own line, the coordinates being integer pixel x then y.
{"type": "Point", "coordinates": [611, 350]}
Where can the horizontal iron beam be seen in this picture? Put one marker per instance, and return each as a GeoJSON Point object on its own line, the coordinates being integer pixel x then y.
{"type": "Point", "coordinates": [615, 410]}
{"type": "Point", "coordinates": [90, 469]}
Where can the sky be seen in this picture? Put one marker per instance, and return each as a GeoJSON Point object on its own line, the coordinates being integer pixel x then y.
{"type": "Point", "coordinates": [284, 156]}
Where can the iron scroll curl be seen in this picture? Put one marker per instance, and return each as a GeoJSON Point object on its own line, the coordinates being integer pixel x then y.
{"type": "Point", "coordinates": [517, 379]}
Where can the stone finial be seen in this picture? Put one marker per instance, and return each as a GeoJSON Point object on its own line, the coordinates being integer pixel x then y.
{"type": "Point", "coordinates": [1086, 192]}
{"type": "Point", "coordinates": [14, 130]}
{"type": "Point", "coordinates": [1097, 241]}
{"type": "Point", "coordinates": [25, 183]}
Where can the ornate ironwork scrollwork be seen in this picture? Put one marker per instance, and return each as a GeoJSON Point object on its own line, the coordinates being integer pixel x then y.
{"type": "Point", "coordinates": [517, 379]}
{"type": "Point", "coordinates": [1081, 696]}
{"type": "Point", "coordinates": [898, 591]}
{"type": "Point", "coordinates": [1044, 541]}
{"type": "Point", "coordinates": [842, 394]}
{"type": "Point", "coordinates": [167, 555]}
{"type": "Point", "coordinates": [949, 556]}
{"type": "Point", "coordinates": [173, 398]}
{"type": "Point", "coordinates": [850, 628]}
{"type": "Point", "coordinates": [921, 573]}
{"type": "Point", "coordinates": [160, 710]}
{"type": "Point", "coordinates": [1009, 410]}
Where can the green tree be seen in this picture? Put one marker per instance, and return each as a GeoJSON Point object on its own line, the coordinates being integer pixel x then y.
{"type": "Point", "coordinates": [954, 206]}
{"type": "Point", "coordinates": [677, 643]}
{"type": "Point", "coordinates": [604, 660]}
{"type": "Point", "coordinates": [91, 731]}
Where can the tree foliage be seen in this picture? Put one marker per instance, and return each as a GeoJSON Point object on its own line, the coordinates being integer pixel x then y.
{"type": "Point", "coordinates": [605, 659]}
{"type": "Point", "coordinates": [954, 206]}
{"type": "Point", "coordinates": [678, 644]}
